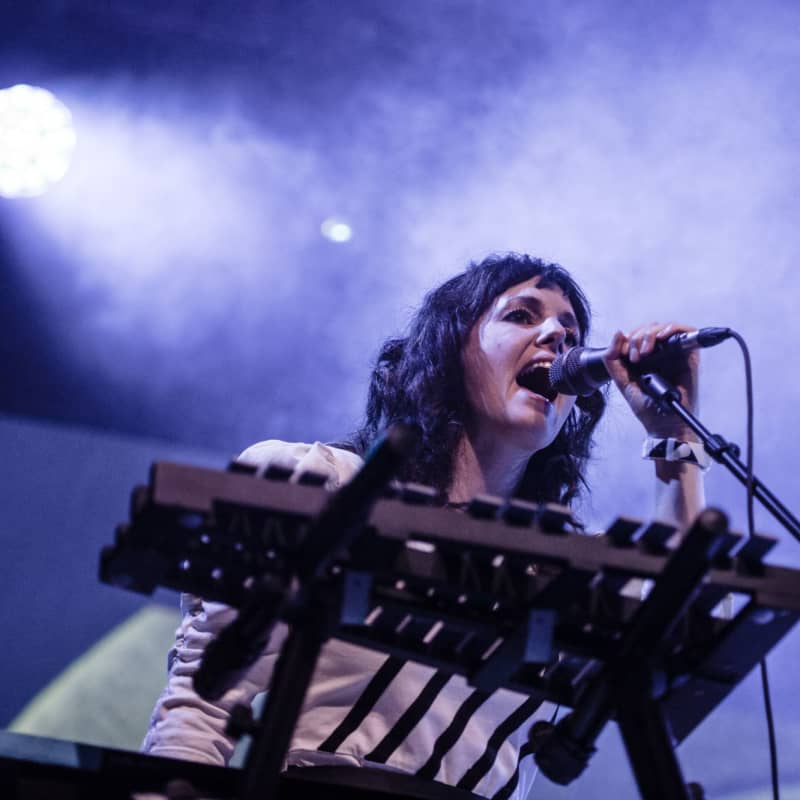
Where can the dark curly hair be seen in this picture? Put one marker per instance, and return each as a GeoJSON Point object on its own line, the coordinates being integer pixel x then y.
{"type": "Point", "coordinates": [418, 379]}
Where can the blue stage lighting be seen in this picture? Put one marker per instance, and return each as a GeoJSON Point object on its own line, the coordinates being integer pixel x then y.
{"type": "Point", "coordinates": [37, 141]}
{"type": "Point", "coordinates": [336, 230]}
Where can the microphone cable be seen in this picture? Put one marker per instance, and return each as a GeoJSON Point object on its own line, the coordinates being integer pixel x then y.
{"type": "Point", "coordinates": [748, 373]}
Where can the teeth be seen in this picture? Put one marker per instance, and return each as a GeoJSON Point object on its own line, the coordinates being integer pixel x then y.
{"type": "Point", "coordinates": [538, 365]}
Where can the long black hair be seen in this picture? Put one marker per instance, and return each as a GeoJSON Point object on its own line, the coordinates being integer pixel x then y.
{"type": "Point", "coordinates": [419, 379]}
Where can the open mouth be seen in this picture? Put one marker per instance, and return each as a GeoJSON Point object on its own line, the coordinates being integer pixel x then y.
{"type": "Point", "coordinates": [537, 379]}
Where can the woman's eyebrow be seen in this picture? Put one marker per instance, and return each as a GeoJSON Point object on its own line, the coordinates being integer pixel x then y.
{"type": "Point", "coordinates": [566, 318]}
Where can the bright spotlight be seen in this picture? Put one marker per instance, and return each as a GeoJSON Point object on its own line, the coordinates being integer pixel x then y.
{"type": "Point", "coordinates": [336, 230]}
{"type": "Point", "coordinates": [36, 141]}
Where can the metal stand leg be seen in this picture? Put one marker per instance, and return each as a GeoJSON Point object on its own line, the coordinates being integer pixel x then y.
{"type": "Point", "coordinates": [293, 673]}
{"type": "Point", "coordinates": [650, 748]}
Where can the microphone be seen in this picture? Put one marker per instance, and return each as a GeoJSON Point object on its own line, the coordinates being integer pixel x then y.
{"type": "Point", "coordinates": [581, 369]}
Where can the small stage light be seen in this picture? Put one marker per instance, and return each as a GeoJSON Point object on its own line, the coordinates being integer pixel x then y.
{"type": "Point", "coordinates": [37, 140]}
{"type": "Point", "coordinates": [336, 230]}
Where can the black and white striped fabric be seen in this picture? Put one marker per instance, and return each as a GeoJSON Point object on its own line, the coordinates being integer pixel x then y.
{"type": "Point", "coordinates": [422, 721]}
{"type": "Point", "coordinates": [363, 708]}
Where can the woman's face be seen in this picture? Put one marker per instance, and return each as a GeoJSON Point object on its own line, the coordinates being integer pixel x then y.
{"type": "Point", "coordinates": [506, 367]}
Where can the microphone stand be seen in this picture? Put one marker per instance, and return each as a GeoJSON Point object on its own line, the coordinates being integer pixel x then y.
{"type": "Point", "coordinates": [726, 453]}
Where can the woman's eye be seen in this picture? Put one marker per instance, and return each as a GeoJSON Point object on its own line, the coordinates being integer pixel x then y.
{"type": "Point", "coordinates": [519, 315]}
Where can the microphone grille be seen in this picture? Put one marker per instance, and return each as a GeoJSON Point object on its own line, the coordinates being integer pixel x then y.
{"type": "Point", "coordinates": [563, 368]}
{"type": "Point", "coordinates": [566, 375]}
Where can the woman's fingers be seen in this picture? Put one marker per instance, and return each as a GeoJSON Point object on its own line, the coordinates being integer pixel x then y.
{"type": "Point", "coordinates": [642, 341]}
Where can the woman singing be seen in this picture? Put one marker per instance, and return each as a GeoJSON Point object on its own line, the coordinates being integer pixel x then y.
{"type": "Point", "coordinates": [472, 375]}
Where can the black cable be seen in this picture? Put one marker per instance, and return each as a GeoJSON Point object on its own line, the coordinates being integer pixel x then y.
{"type": "Point", "coordinates": [748, 377]}
{"type": "Point", "coordinates": [773, 749]}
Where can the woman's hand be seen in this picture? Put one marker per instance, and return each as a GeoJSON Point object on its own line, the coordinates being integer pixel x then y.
{"type": "Point", "coordinates": [682, 373]}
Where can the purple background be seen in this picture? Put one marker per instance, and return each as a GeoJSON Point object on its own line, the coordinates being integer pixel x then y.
{"type": "Point", "coordinates": [174, 295]}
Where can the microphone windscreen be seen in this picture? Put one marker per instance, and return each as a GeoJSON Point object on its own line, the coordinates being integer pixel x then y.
{"type": "Point", "coordinates": [560, 372]}
{"type": "Point", "coordinates": [580, 371]}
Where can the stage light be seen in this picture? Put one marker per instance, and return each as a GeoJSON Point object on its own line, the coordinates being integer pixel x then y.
{"type": "Point", "coordinates": [37, 140]}
{"type": "Point", "coordinates": [336, 230]}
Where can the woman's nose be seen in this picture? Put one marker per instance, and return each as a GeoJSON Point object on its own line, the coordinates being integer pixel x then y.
{"type": "Point", "coordinates": [552, 334]}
